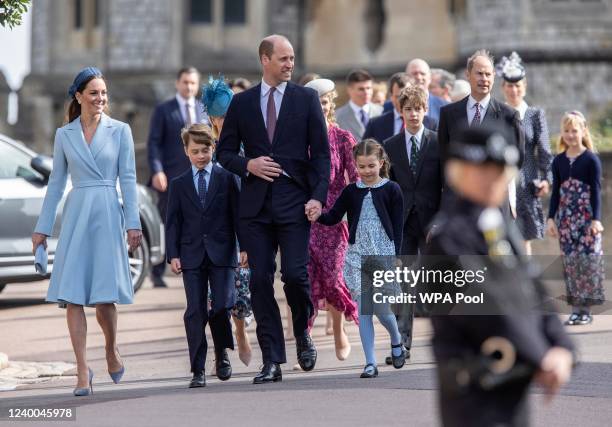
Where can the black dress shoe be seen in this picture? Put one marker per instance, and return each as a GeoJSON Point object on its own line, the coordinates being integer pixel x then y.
{"type": "Point", "coordinates": [223, 365]}
{"type": "Point", "coordinates": [389, 359]}
{"type": "Point", "coordinates": [399, 361]}
{"type": "Point", "coordinates": [270, 373]}
{"type": "Point", "coordinates": [198, 380]}
{"type": "Point", "coordinates": [369, 371]}
{"type": "Point", "coordinates": [306, 352]}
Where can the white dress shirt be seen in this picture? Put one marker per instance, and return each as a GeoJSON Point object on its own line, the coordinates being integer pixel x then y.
{"type": "Point", "coordinates": [471, 111]}
{"type": "Point", "coordinates": [419, 139]}
{"type": "Point", "coordinates": [278, 99]}
{"type": "Point", "coordinates": [397, 122]}
{"type": "Point", "coordinates": [192, 109]}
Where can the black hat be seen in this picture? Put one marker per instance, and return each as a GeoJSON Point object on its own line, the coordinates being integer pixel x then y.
{"type": "Point", "coordinates": [482, 144]}
{"type": "Point", "coordinates": [511, 68]}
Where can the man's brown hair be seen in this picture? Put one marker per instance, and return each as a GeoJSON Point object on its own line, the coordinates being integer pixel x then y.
{"type": "Point", "coordinates": [414, 96]}
{"type": "Point", "coordinates": [358, 76]}
{"type": "Point", "coordinates": [199, 134]}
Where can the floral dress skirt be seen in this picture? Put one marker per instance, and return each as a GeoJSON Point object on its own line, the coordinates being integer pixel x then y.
{"type": "Point", "coordinates": [582, 252]}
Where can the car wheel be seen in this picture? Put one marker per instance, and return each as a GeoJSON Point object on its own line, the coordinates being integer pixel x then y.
{"type": "Point", "coordinates": [2, 286]}
{"type": "Point", "coordinates": [140, 264]}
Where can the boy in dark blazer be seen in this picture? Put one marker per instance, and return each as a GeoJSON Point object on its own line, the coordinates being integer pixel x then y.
{"type": "Point", "coordinates": [416, 167]}
{"type": "Point", "coordinates": [201, 230]}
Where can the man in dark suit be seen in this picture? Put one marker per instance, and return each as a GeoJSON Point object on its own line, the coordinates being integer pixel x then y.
{"type": "Point", "coordinates": [201, 230]}
{"type": "Point", "coordinates": [480, 108]}
{"type": "Point", "coordinates": [285, 173]}
{"type": "Point", "coordinates": [166, 154]}
{"type": "Point", "coordinates": [415, 166]}
{"type": "Point", "coordinates": [391, 123]}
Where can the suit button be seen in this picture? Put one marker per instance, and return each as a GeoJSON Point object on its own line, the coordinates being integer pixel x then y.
{"type": "Point", "coordinates": [271, 154]}
{"type": "Point", "coordinates": [206, 235]}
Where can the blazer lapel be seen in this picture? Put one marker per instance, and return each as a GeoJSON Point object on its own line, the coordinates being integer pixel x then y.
{"type": "Point", "coordinates": [176, 115]}
{"type": "Point", "coordinates": [286, 106]}
{"type": "Point", "coordinates": [190, 188]}
{"type": "Point", "coordinates": [398, 144]}
{"type": "Point", "coordinates": [213, 186]}
{"type": "Point", "coordinates": [75, 134]}
{"type": "Point", "coordinates": [422, 154]}
{"type": "Point", "coordinates": [103, 134]}
{"type": "Point", "coordinates": [461, 115]}
{"type": "Point", "coordinates": [256, 105]}
{"type": "Point", "coordinates": [492, 112]}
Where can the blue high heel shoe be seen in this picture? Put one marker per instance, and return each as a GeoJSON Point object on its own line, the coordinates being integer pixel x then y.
{"type": "Point", "coordinates": [87, 390]}
{"type": "Point", "coordinates": [116, 376]}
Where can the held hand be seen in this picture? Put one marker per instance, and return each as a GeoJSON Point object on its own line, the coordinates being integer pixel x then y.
{"type": "Point", "coordinates": [244, 259]}
{"type": "Point", "coordinates": [134, 237]}
{"type": "Point", "coordinates": [313, 209]}
{"type": "Point", "coordinates": [543, 188]}
{"type": "Point", "coordinates": [38, 239]}
{"type": "Point", "coordinates": [596, 227]}
{"type": "Point", "coordinates": [175, 266]}
{"type": "Point", "coordinates": [265, 168]}
{"type": "Point", "coordinates": [551, 228]}
{"type": "Point", "coordinates": [555, 370]}
{"type": "Point", "coordinates": [160, 182]}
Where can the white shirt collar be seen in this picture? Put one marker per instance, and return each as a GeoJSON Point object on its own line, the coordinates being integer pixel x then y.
{"type": "Point", "coordinates": [484, 103]}
{"type": "Point", "coordinates": [207, 168]}
{"type": "Point", "coordinates": [418, 135]}
{"type": "Point", "coordinates": [265, 88]}
{"type": "Point", "coordinates": [356, 108]}
{"type": "Point", "coordinates": [182, 101]}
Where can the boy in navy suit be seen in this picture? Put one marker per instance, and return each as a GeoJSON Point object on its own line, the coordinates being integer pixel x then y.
{"type": "Point", "coordinates": [201, 229]}
{"type": "Point", "coordinates": [416, 167]}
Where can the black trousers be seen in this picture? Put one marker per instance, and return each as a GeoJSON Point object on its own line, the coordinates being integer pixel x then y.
{"type": "Point", "coordinates": [162, 204]}
{"type": "Point", "coordinates": [197, 314]}
{"type": "Point", "coordinates": [413, 243]}
{"type": "Point", "coordinates": [280, 224]}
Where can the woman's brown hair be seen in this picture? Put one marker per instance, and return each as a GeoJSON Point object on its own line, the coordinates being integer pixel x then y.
{"type": "Point", "coordinates": [74, 108]}
{"type": "Point", "coordinates": [370, 146]}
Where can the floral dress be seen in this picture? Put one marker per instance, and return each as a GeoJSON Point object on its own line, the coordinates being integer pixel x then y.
{"type": "Point", "coordinates": [371, 239]}
{"type": "Point", "coordinates": [328, 243]}
{"type": "Point", "coordinates": [583, 253]}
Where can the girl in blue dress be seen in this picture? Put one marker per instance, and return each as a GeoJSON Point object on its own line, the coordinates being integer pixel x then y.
{"type": "Point", "coordinates": [374, 208]}
{"type": "Point", "coordinates": [91, 260]}
{"type": "Point", "coordinates": [575, 217]}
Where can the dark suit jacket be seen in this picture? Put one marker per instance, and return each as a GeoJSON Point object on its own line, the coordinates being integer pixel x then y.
{"type": "Point", "coordinates": [192, 230]}
{"type": "Point", "coordinates": [164, 146]}
{"type": "Point", "coordinates": [453, 118]}
{"type": "Point", "coordinates": [382, 127]}
{"type": "Point", "coordinates": [423, 193]}
{"type": "Point", "coordinates": [299, 145]}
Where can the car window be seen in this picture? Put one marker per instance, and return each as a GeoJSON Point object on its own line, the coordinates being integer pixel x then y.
{"type": "Point", "coordinates": [15, 163]}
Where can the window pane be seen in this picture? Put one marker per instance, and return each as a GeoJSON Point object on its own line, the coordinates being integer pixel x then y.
{"type": "Point", "coordinates": [15, 163]}
{"type": "Point", "coordinates": [96, 11]}
{"type": "Point", "coordinates": [201, 11]}
{"type": "Point", "coordinates": [234, 12]}
{"type": "Point", "coordinates": [78, 14]}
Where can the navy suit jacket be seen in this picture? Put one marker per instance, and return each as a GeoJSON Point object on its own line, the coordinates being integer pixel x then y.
{"type": "Point", "coordinates": [453, 118]}
{"type": "Point", "coordinates": [382, 127]}
{"type": "Point", "coordinates": [164, 146]}
{"type": "Point", "coordinates": [299, 145]}
{"type": "Point", "coordinates": [423, 193]}
{"type": "Point", "coordinates": [192, 230]}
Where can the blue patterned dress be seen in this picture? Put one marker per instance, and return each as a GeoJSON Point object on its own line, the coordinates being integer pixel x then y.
{"type": "Point", "coordinates": [370, 239]}
{"type": "Point", "coordinates": [574, 204]}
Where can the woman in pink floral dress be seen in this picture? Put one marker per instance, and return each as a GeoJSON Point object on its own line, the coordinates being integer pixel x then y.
{"type": "Point", "coordinates": [328, 244]}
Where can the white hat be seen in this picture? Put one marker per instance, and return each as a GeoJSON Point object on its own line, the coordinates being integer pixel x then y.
{"type": "Point", "coordinates": [322, 86]}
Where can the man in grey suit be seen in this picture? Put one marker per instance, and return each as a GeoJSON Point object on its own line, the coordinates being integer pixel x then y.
{"type": "Point", "coordinates": [355, 115]}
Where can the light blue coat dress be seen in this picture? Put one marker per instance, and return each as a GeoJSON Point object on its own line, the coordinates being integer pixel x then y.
{"type": "Point", "coordinates": [91, 261]}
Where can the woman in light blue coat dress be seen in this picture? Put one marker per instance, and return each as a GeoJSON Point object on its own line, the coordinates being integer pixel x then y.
{"type": "Point", "coordinates": [91, 261]}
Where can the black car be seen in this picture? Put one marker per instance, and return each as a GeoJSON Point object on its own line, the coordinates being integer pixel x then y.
{"type": "Point", "coordinates": [23, 184]}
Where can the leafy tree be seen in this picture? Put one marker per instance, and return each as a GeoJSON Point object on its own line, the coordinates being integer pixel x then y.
{"type": "Point", "coordinates": [11, 12]}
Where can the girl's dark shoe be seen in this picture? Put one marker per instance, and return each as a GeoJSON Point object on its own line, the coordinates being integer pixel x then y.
{"type": "Point", "coordinates": [370, 371]}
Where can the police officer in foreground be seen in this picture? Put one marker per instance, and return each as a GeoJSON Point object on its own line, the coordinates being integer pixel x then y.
{"type": "Point", "coordinates": [487, 362]}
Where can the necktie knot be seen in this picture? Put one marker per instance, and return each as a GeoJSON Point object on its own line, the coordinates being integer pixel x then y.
{"type": "Point", "coordinates": [477, 119]}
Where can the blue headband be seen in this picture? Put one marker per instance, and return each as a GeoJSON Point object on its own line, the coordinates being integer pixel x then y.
{"type": "Point", "coordinates": [80, 78]}
{"type": "Point", "coordinates": [216, 97]}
